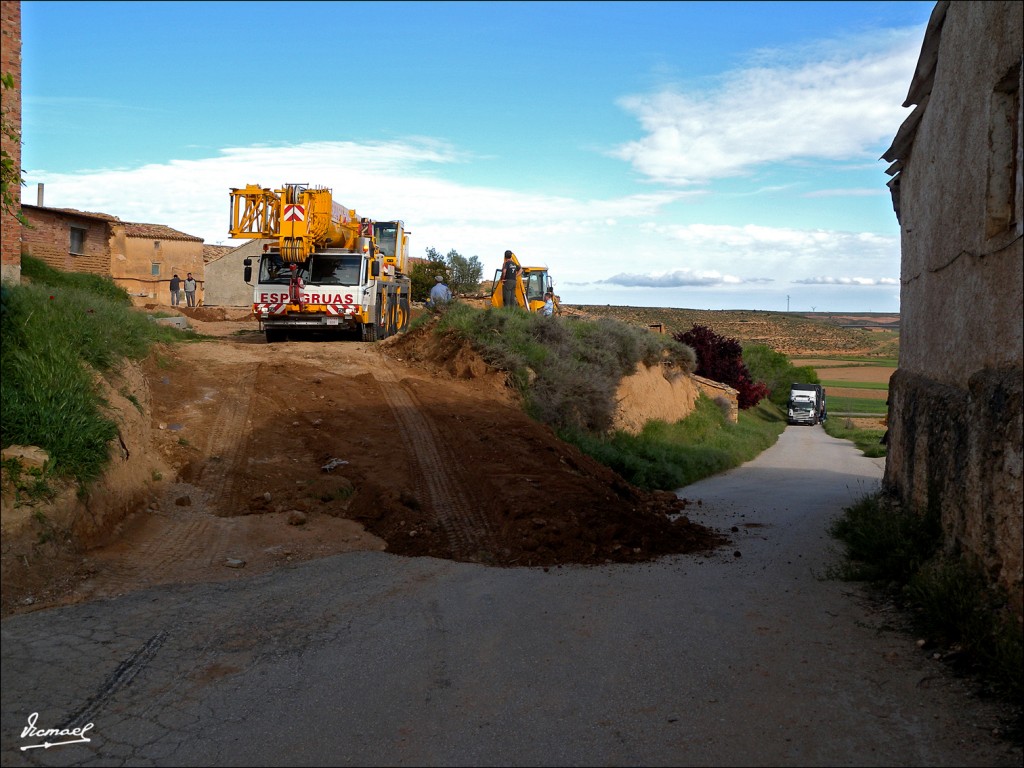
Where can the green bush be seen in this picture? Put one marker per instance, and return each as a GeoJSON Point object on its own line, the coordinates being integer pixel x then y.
{"type": "Point", "coordinates": [670, 456]}
{"type": "Point", "coordinates": [567, 370]}
{"type": "Point", "coordinates": [776, 372]}
{"type": "Point", "coordinates": [885, 543]}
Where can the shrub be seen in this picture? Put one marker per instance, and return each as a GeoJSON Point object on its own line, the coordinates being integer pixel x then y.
{"type": "Point", "coordinates": [721, 359]}
{"type": "Point", "coordinates": [567, 370]}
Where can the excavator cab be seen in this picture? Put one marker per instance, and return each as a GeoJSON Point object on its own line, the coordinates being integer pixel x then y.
{"type": "Point", "coordinates": [531, 285]}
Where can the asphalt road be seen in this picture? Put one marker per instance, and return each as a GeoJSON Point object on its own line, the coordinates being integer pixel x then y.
{"type": "Point", "coordinates": [744, 657]}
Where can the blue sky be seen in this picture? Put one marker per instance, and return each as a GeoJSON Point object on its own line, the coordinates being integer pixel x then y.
{"type": "Point", "coordinates": [701, 155]}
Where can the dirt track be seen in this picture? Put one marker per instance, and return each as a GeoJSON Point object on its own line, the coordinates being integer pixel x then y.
{"type": "Point", "coordinates": [280, 453]}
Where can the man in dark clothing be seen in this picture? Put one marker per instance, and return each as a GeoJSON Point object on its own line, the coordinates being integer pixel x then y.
{"type": "Point", "coordinates": [175, 290]}
{"type": "Point", "coordinates": [509, 270]}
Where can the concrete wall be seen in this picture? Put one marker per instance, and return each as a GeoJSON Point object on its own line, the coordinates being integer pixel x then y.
{"type": "Point", "coordinates": [955, 403]}
{"type": "Point", "coordinates": [224, 284]}
{"type": "Point", "coordinates": [10, 63]}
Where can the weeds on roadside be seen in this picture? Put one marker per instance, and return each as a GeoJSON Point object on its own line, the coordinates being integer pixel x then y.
{"type": "Point", "coordinates": [29, 483]}
{"type": "Point", "coordinates": [884, 543]}
{"type": "Point", "coordinates": [899, 552]}
{"type": "Point", "coordinates": [669, 456]}
{"type": "Point", "coordinates": [61, 331]}
{"type": "Point", "coordinates": [868, 441]}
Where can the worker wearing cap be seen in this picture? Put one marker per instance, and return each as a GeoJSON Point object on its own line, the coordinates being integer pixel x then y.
{"type": "Point", "coordinates": [439, 294]}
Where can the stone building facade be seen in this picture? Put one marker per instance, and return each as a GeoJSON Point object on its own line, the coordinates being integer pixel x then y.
{"type": "Point", "coordinates": [10, 104]}
{"type": "Point", "coordinates": [955, 442]}
{"type": "Point", "coordinates": [141, 258]}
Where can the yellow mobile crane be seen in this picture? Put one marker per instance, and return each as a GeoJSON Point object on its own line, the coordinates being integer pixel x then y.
{"type": "Point", "coordinates": [531, 285]}
{"type": "Point", "coordinates": [330, 270]}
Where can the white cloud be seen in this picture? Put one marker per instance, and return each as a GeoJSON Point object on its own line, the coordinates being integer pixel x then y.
{"type": "Point", "coordinates": [679, 278]}
{"type": "Point", "coordinates": [596, 248]}
{"type": "Point", "coordinates": [855, 281]}
{"type": "Point", "coordinates": [835, 104]}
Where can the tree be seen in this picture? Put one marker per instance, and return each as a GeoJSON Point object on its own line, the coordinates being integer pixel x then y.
{"type": "Point", "coordinates": [422, 275]}
{"type": "Point", "coordinates": [721, 359]}
{"type": "Point", "coordinates": [460, 273]}
{"type": "Point", "coordinates": [776, 372]}
{"type": "Point", "coordinates": [464, 273]}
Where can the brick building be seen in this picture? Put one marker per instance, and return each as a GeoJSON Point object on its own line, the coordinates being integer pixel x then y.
{"type": "Point", "coordinates": [141, 258]}
{"type": "Point", "coordinates": [10, 104]}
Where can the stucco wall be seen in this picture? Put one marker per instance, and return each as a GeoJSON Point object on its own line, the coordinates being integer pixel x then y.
{"type": "Point", "coordinates": [960, 301]}
{"type": "Point", "coordinates": [658, 394]}
{"type": "Point", "coordinates": [955, 402]}
{"type": "Point", "coordinates": [224, 284]}
{"type": "Point", "coordinates": [132, 260]}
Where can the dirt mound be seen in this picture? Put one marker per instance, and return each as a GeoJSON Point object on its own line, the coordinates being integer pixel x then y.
{"type": "Point", "coordinates": [275, 453]}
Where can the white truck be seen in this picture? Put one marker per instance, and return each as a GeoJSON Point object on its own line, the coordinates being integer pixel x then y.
{"type": "Point", "coordinates": [806, 404]}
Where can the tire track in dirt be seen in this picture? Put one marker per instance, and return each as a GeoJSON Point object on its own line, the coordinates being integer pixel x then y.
{"type": "Point", "coordinates": [467, 529]}
{"type": "Point", "coordinates": [226, 440]}
{"type": "Point", "coordinates": [194, 530]}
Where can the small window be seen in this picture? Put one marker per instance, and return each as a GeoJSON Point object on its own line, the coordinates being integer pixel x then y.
{"type": "Point", "coordinates": [77, 246]}
{"type": "Point", "coordinates": [154, 269]}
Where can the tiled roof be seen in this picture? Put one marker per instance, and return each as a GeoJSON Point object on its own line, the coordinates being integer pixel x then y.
{"type": "Point", "coordinates": [156, 231]}
{"type": "Point", "coordinates": [131, 229]}
{"type": "Point", "coordinates": [214, 252]}
{"type": "Point", "coordinates": [74, 212]}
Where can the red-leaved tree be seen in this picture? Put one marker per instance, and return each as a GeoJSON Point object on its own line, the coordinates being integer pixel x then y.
{"type": "Point", "coordinates": [721, 359]}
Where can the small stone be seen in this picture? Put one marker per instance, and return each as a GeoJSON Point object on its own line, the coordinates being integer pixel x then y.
{"type": "Point", "coordinates": [234, 562]}
{"type": "Point", "coordinates": [296, 517]}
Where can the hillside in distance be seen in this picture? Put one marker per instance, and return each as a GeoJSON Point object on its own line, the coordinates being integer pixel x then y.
{"type": "Point", "coordinates": [790, 333]}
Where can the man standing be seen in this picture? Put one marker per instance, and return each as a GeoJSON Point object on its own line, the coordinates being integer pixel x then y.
{"type": "Point", "coordinates": [175, 290]}
{"type": "Point", "coordinates": [190, 290]}
{"type": "Point", "coordinates": [509, 270]}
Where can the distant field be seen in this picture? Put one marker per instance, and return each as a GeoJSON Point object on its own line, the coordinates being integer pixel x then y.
{"type": "Point", "coordinates": [838, 404]}
{"type": "Point", "coordinates": [793, 334]}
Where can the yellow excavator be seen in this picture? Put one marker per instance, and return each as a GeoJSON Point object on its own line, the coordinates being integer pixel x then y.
{"type": "Point", "coordinates": [531, 285]}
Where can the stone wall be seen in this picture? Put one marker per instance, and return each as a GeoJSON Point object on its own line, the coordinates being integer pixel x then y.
{"type": "Point", "coordinates": [955, 402]}
{"type": "Point", "coordinates": [960, 457]}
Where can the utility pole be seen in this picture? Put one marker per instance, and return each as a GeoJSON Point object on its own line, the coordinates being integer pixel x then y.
{"type": "Point", "coordinates": [787, 302]}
